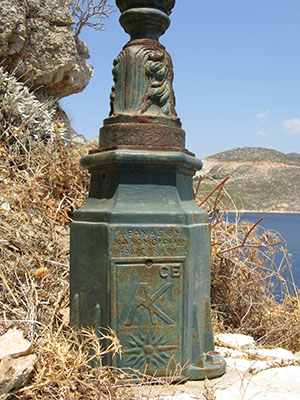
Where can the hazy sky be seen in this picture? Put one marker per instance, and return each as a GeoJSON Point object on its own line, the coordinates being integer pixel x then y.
{"type": "Point", "coordinates": [237, 74]}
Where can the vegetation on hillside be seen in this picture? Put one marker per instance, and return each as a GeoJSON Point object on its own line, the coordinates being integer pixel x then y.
{"type": "Point", "coordinates": [41, 185]}
{"type": "Point", "coordinates": [243, 154]}
{"type": "Point", "coordinates": [260, 179]}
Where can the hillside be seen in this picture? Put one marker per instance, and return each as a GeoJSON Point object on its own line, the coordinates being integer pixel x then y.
{"type": "Point", "coordinates": [260, 179]}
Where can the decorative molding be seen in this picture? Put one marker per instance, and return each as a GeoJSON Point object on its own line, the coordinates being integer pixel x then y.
{"type": "Point", "coordinates": [149, 89]}
{"type": "Point", "coordinates": [163, 5]}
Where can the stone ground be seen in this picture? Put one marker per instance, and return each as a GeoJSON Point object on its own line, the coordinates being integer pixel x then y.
{"type": "Point", "coordinates": [252, 373]}
{"type": "Point", "coordinates": [271, 384]}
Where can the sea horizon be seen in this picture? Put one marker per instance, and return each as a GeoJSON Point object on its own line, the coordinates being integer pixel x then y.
{"type": "Point", "coordinates": [288, 228]}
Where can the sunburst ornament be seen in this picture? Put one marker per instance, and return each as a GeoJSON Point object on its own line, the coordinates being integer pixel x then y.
{"type": "Point", "coordinates": [149, 349]}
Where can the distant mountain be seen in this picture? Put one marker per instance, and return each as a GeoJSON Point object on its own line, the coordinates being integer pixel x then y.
{"type": "Point", "coordinates": [260, 179]}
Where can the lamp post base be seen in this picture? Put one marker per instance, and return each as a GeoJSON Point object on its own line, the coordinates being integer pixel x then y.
{"type": "Point", "coordinates": [140, 263]}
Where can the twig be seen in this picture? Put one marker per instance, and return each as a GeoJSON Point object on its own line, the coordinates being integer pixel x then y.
{"type": "Point", "coordinates": [213, 191]}
{"type": "Point", "coordinates": [219, 219]}
{"type": "Point", "coordinates": [198, 185]}
{"type": "Point", "coordinates": [249, 245]}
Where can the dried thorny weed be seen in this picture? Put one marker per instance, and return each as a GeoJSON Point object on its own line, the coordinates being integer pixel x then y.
{"type": "Point", "coordinates": [41, 185]}
{"type": "Point", "coordinates": [208, 391]}
{"type": "Point", "coordinates": [252, 286]}
{"type": "Point", "coordinates": [70, 367]}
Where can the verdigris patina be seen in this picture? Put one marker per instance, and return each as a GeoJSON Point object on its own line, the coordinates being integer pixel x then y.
{"type": "Point", "coordinates": [163, 5]}
{"type": "Point", "coordinates": [140, 247]}
{"type": "Point", "coordinates": [142, 100]}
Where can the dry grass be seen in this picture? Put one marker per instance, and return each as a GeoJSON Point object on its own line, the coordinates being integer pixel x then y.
{"type": "Point", "coordinates": [251, 272]}
{"type": "Point", "coordinates": [70, 367]}
{"type": "Point", "coordinates": [41, 184]}
{"type": "Point", "coordinates": [40, 189]}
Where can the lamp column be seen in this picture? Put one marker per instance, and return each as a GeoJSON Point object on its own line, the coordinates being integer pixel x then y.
{"type": "Point", "coordinates": [140, 247]}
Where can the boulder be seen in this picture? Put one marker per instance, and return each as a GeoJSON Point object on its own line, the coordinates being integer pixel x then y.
{"type": "Point", "coordinates": [37, 44]}
{"type": "Point", "coordinates": [271, 384]}
{"type": "Point", "coordinates": [252, 373]}
{"type": "Point", "coordinates": [16, 360]}
{"type": "Point", "coordinates": [235, 340]}
{"type": "Point", "coordinates": [14, 371]}
{"type": "Point", "coordinates": [251, 366]}
{"type": "Point", "coordinates": [278, 353]}
{"type": "Point", "coordinates": [281, 380]}
{"type": "Point", "coordinates": [12, 343]}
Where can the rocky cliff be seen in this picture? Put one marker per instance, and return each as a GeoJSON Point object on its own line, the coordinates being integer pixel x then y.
{"type": "Point", "coordinates": [37, 45]}
{"type": "Point", "coordinates": [259, 179]}
{"type": "Point", "coordinates": [38, 48]}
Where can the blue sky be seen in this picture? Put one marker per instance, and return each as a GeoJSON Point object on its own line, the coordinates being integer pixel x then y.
{"type": "Point", "coordinates": [237, 74]}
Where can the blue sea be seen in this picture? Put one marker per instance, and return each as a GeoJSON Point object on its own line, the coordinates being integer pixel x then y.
{"type": "Point", "coordinates": [288, 225]}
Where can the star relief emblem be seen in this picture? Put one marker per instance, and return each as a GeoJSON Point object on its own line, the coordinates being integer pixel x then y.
{"type": "Point", "coordinates": [149, 349]}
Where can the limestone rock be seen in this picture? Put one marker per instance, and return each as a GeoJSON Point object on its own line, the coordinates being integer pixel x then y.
{"type": "Point", "coordinates": [251, 360]}
{"type": "Point", "coordinates": [225, 352]}
{"type": "Point", "coordinates": [12, 30]}
{"type": "Point", "coordinates": [251, 374]}
{"type": "Point", "coordinates": [36, 42]}
{"type": "Point", "coordinates": [272, 384]}
{"type": "Point", "coordinates": [251, 366]}
{"type": "Point", "coordinates": [16, 361]}
{"type": "Point", "coordinates": [279, 353]}
{"type": "Point", "coordinates": [235, 340]}
{"type": "Point", "coordinates": [284, 380]}
{"type": "Point", "coordinates": [13, 343]}
{"type": "Point", "coordinates": [14, 371]}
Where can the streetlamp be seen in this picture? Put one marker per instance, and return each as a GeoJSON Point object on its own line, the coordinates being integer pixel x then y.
{"type": "Point", "coordinates": [140, 247]}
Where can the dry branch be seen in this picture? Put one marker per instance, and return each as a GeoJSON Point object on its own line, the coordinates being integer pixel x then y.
{"type": "Point", "coordinates": [252, 286]}
{"type": "Point", "coordinates": [89, 13]}
{"type": "Point", "coordinates": [41, 184]}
